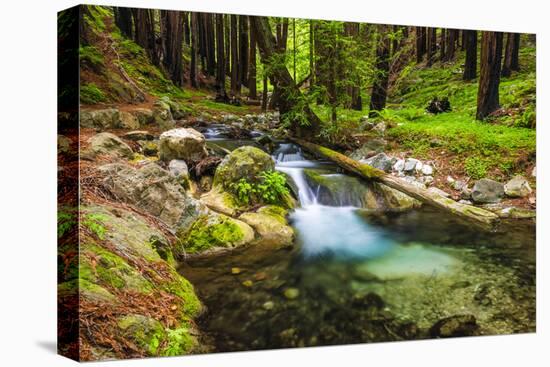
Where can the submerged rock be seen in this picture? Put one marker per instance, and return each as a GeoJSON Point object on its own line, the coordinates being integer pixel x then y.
{"type": "Point", "coordinates": [108, 144]}
{"type": "Point", "coordinates": [487, 191]}
{"type": "Point", "coordinates": [454, 326]}
{"type": "Point", "coordinates": [517, 187]}
{"type": "Point", "coordinates": [185, 143]}
{"type": "Point", "coordinates": [271, 225]}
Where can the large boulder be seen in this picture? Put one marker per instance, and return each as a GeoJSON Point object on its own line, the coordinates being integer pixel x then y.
{"type": "Point", "coordinates": [143, 115]}
{"type": "Point", "coordinates": [487, 191]}
{"type": "Point", "coordinates": [212, 232]}
{"type": "Point", "coordinates": [108, 144]}
{"type": "Point", "coordinates": [185, 143]}
{"type": "Point", "coordinates": [517, 187]}
{"type": "Point", "coordinates": [245, 162]}
{"type": "Point", "coordinates": [270, 224]}
{"type": "Point", "coordinates": [220, 201]}
{"type": "Point", "coordinates": [154, 190]}
{"type": "Point", "coordinates": [100, 119]}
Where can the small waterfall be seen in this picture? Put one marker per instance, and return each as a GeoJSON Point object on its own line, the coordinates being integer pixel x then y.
{"type": "Point", "coordinates": [290, 160]}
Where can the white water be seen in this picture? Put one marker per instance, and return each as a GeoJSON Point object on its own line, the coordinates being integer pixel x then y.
{"type": "Point", "coordinates": [341, 232]}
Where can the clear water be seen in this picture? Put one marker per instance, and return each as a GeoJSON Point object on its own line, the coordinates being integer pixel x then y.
{"type": "Point", "coordinates": [358, 276]}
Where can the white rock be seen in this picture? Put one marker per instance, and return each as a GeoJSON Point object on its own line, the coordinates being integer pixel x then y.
{"type": "Point", "coordinates": [399, 165]}
{"type": "Point", "coordinates": [450, 180]}
{"type": "Point", "coordinates": [427, 170]}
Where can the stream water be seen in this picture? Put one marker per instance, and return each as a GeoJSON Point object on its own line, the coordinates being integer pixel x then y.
{"type": "Point", "coordinates": [356, 275]}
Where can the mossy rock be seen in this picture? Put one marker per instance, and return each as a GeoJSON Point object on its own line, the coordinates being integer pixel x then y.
{"type": "Point", "coordinates": [221, 201]}
{"type": "Point", "coordinates": [146, 332]}
{"type": "Point", "coordinates": [110, 145]}
{"type": "Point", "coordinates": [245, 162]}
{"type": "Point", "coordinates": [215, 231]}
{"type": "Point", "coordinates": [271, 226]}
{"type": "Point", "coordinates": [394, 200]}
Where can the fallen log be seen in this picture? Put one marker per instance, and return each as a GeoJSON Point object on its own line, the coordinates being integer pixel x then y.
{"type": "Point", "coordinates": [470, 213]}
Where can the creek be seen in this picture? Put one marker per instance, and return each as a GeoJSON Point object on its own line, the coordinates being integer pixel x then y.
{"type": "Point", "coordinates": [359, 275]}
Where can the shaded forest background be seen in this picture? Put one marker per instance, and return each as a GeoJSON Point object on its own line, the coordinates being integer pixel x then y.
{"type": "Point", "coordinates": [465, 94]}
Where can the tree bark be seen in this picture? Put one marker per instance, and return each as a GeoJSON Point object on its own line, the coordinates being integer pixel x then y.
{"type": "Point", "coordinates": [264, 93]}
{"type": "Point", "coordinates": [489, 78]}
{"type": "Point", "coordinates": [144, 32]}
{"type": "Point", "coordinates": [292, 99]}
{"type": "Point", "coordinates": [511, 54]}
{"type": "Point", "coordinates": [432, 45]}
{"type": "Point", "coordinates": [194, 68]}
{"type": "Point", "coordinates": [420, 43]}
{"type": "Point", "coordinates": [123, 20]}
{"type": "Point", "coordinates": [442, 44]}
{"type": "Point", "coordinates": [470, 63]}
{"type": "Point", "coordinates": [172, 42]}
{"type": "Point", "coordinates": [252, 90]}
{"type": "Point", "coordinates": [451, 44]}
{"type": "Point", "coordinates": [220, 62]}
{"type": "Point", "coordinates": [478, 216]}
{"type": "Point", "coordinates": [380, 85]}
{"type": "Point", "coordinates": [210, 44]}
{"type": "Point", "coordinates": [243, 49]}
{"type": "Point", "coordinates": [235, 81]}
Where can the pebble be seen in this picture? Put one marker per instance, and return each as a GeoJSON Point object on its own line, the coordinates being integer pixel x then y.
{"type": "Point", "coordinates": [236, 271]}
{"type": "Point", "coordinates": [450, 180]}
{"type": "Point", "coordinates": [291, 293]}
{"type": "Point", "coordinates": [269, 305]}
{"type": "Point", "coordinates": [248, 283]}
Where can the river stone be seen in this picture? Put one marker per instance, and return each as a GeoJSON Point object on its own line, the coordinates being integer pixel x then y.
{"type": "Point", "coordinates": [185, 143]}
{"type": "Point", "coordinates": [139, 135]}
{"type": "Point", "coordinates": [399, 165]}
{"type": "Point", "coordinates": [100, 119]}
{"type": "Point", "coordinates": [163, 116]}
{"type": "Point", "coordinates": [272, 227]}
{"type": "Point", "coordinates": [458, 185]}
{"type": "Point", "coordinates": [128, 121]}
{"type": "Point", "coordinates": [455, 326]}
{"type": "Point", "coordinates": [487, 191]}
{"type": "Point", "coordinates": [220, 201]}
{"type": "Point", "coordinates": [393, 199]}
{"type": "Point", "coordinates": [291, 293]}
{"type": "Point", "coordinates": [427, 170]}
{"type": "Point", "coordinates": [108, 144]}
{"type": "Point", "coordinates": [410, 165]}
{"type": "Point", "coordinates": [517, 187]}
{"type": "Point", "coordinates": [245, 162]}
{"type": "Point", "coordinates": [380, 161]}
{"type": "Point", "coordinates": [143, 115]}
{"type": "Point", "coordinates": [373, 145]}
{"type": "Point", "coordinates": [154, 190]}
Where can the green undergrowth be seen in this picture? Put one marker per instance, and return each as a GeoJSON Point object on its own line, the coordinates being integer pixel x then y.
{"type": "Point", "coordinates": [206, 233]}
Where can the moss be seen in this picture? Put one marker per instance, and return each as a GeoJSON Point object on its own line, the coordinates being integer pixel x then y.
{"type": "Point", "coordinates": [111, 270]}
{"type": "Point", "coordinates": [181, 287]}
{"type": "Point", "coordinates": [179, 342]}
{"type": "Point", "coordinates": [276, 212]}
{"type": "Point", "coordinates": [94, 222]}
{"type": "Point", "coordinates": [91, 94]}
{"type": "Point", "coordinates": [91, 56]}
{"type": "Point", "coordinates": [146, 332]}
{"type": "Point", "coordinates": [208, 231]}
{"type": "Point", "coordinates": [66, 221]}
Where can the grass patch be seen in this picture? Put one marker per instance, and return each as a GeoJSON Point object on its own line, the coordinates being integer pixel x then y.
{"type": "Point", "coordinates": [91, 94]}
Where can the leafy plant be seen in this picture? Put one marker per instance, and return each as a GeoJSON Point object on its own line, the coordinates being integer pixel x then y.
{"type": "Point", "coordinates": [270, 188]}
{"type": "Point", "coordinates": [65, 222]}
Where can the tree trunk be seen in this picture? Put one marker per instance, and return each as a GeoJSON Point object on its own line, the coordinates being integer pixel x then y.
{"type": "Point", "coordinates": [292, 101]}
{"type": "Point", "coordinates": [489, 78]}
{"type": "Point", "coordinates": [380, 85]}
{"type": "Point", "coordinates": [186, 28]}
{"type": "Point", "coordinates": [311, 63]}
{"type": "Point", "coordinates": [123, 20]}
{"type": "Point", "coordinates": [451, 44]}
{"type": "Point", "coordinates": [511, 54]}
{"type": "Point", "coordinates": [420, 43]}
{"type": "Point", "coordinates": [172, 42]}
{"type": "Point", "coordinates": [432, 45]}
{"type": "Point", "coordinates": [354, 91]}
{"type": "Point", "coordinates": [470, 64]}
{"type": "Point", "coordinates": [243, 49]}
{"type": "Point", "coordinates": [235, 81]}
{"type": "Point", "coordinates": [514, 64]}
{"type": "Point", "coordinates": [210, 43]}
{"type": "Point", "coordinates": [264, 93]}
{"type": "Point", "coordinates": [144, 32]}
{"type": "Point", "coordinates": [478, 216]}
{"type": "Point", "coordinates": [252, 90]}
{"type": "Point", "coordinates": [194, 68]}
{"type": "Point", "coordinates": [220, 62]}
{"type": "Point", "coordinates": [442, 44]}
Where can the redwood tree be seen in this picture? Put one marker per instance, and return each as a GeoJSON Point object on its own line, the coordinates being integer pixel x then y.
{"type": "Point", "coordinates": [194, 67]}
{"type": "Point", "coordinates": [172, 42]}
{"type": "Point", "coordinates": [252, 91]}
{"type": "Point", "coordinates": [123, 20]}
{"type": "Point", "coordinates": [235, 81]}
{"type": "Point", "coordinates": [511, 54]}
{"type": "Point", "coordinates": [489, 77]}
{"type": "Point", "coordinates": [470, 63]}
{"type": "Point", "coordinates": [380, 86]}
{"type": "Point", "coordinates": [220, 61]}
